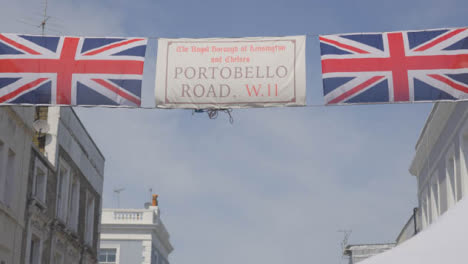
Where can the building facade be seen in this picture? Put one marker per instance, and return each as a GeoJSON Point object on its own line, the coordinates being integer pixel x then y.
{"type": "Point", "coordinates": [136, 236]}
{"type": "Point", "coordinates": [440, 165]}
{"type": "Point", "coordinates": [16, 137]}
{"type": "Point", "coordinates": [440, 162]}
{"type": "Point", "coordinates": [51, 176]}
{"type": "Point", "coordinates": [64, 192]}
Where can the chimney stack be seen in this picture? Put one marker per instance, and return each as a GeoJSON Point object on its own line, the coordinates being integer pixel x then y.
{"type": "Point", "coordinates": [155, 200]}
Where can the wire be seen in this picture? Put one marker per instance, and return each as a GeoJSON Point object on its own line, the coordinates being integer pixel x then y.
{"type": "Point", "coordinates": [221, 108]}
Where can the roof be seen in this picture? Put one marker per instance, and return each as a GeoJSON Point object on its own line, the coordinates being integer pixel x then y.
{"type": "Point", "coordinates": [349, 248]}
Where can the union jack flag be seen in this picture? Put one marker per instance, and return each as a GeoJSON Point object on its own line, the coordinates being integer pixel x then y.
{"type": "Point", "coordinates": [71, 70]}
{"type": "Point", "coordinates": [395, 67]}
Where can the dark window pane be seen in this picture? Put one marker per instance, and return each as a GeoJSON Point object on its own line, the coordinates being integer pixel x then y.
{"type": "Point", "coordinates": [102, 257]}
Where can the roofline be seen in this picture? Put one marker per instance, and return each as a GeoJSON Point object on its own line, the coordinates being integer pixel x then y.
{"type": "Point", "coordinates": [409, 222]}
{"type": "Point", "coordinates": [150, 227]}
{"type": "Point", "coordinates": [426, 124]}
{"type": "Point", "coordinates": [87, 133]}
{"type": "Point", "coordinates": [376, 244]}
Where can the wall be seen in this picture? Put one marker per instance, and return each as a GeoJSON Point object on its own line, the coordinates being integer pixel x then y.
{"type": "Point", "coordinates": [70, 140]}
{"type": "Point", "coordinates": [16, 134]}
{"type": "Point", "coordinates": [439, 149]}
{"type": "Point", "coordinates": [130, 251]}
{"type": "Point", "coordinates": [68, 132]}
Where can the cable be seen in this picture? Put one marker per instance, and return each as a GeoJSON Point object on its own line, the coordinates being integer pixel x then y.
{"type": "Point", "coordinates": [221, 108]}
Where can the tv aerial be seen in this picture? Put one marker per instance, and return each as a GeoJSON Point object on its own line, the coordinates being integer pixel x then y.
{"type": "Point", "coordinates": [117, 192]}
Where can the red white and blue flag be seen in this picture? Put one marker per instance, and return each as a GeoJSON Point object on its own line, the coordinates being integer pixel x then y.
{"type": "Point", "coordinates": [403, 66]}
{"type": "Point", "coordinates": [71, 70]}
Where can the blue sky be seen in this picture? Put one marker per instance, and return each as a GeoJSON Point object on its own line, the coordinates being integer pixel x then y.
{"type": "Point", "coordinates": [275, 186]}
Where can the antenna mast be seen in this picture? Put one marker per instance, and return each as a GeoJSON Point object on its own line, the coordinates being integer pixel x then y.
{"type": "Point", "coordinates": [344, 242]}
{"type": "Point", "coordinates": [118, 191]}
{"type": "Point", "coordinates": [45, 18]}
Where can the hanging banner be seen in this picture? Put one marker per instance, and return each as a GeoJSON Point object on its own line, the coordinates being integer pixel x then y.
{"type": "Point", "coordinates": [71, 70]}
{"type": "Point", "coordinates": [231, 73]}
{"type": "Point", "coordinates": [391, 67]}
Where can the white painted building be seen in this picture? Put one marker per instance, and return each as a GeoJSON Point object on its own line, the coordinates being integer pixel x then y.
{"type": "Point", "coordinates": [358, 253]}
{"type": "Point", "coordinates": [16, 135]}
{"type": "Point", "coordinates": [440, 165]}
{"type": "Point", "coordinates": [64, 193]}
{"type": "Point", "coordinates": [136, 236]}
{"type": "Point", "coordinates": [440, 162]}
{"type": "Point", "coordinates": [50, 188]}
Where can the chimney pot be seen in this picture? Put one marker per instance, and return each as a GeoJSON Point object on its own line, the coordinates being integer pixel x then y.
{"type": "Point", "coordinates": [155, 200]}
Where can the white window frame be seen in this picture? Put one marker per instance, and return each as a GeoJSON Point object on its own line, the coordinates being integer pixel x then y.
{"type": "Point", "coordinates": [41, 196]}
{"type": "Point", "coordinates": [3, 160]}
{"type": "Point", "coordinates": [33, 231]}
{"type": "Point", "coordinates": [73, 202]}
{"type": "Point", "coordinates": [111, 246]}
{"type": "Point", "coordinates": [62, 190]}
{"type": "Point", "coordinates": [37, 259]}
{"type": "Point", "coordinates": [89, 218]}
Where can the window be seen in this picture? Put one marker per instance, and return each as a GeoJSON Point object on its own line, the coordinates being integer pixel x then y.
{"type": "Point", "coordinates": [89, 225]}
{"type": "Point", "coordinates": [2, 170]}
{"type": "Point", "coordinates": [34, 250]}
{"type": "Point", "coordinates": [108, 256]}
{"type": "Point", "coordinates": [73, 203]}
{"type": "Point", "coordinates": [62, 190]}
{"type": "Point", "coordinates": [40, 181]}
{"type": "Point", "coordinates": [58, 258]}
{"type": "Point", "coordinates": [9, 178]}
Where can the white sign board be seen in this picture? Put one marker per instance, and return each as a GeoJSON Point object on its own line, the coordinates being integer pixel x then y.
{"type": "Point", "coordinates": [231, 73]}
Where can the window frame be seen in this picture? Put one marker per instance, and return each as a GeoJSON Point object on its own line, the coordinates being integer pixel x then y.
{"type": "Point", "coordinates": [34, 235]}
{"type": "Point", "coordinates": [110, 246]}
{"type": "Point", "coordinates": [3, 161]}
{"type": "Point", "coordinates": [89, 218]}
{"type": "Point", "coordinates": [73, 201]}
{"type": "Point", "coordinates": [62, 190]}
{"type": "Point", "coordinates": [61, 257]}
{"type": "Point", "coordinates": [42, 196]}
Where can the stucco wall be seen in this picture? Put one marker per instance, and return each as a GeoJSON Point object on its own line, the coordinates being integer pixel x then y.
{"type": "Point", "coordinates": [15, 134]}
